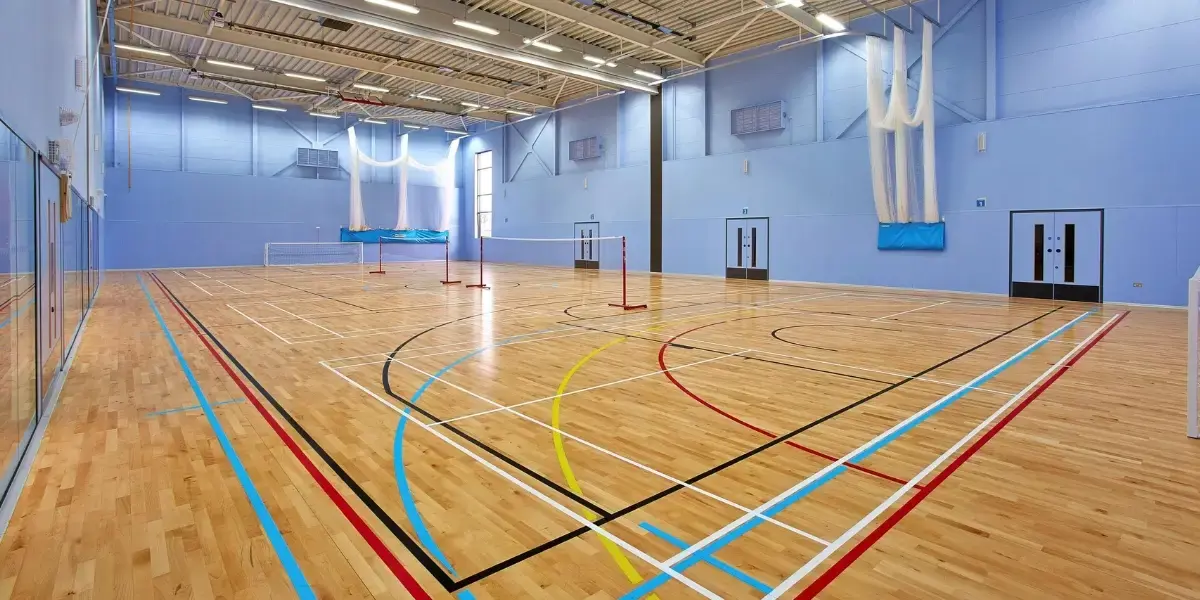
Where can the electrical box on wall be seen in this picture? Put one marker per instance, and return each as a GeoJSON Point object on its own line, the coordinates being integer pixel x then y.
{"type": "Point", "coordinates": [585, 149]}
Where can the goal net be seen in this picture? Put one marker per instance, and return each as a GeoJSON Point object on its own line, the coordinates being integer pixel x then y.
{"type": "Point", "coordinates": [607, 257]}
{"type": "Point", "coordinates": [1193, 382]}
{"type": "Point", "coordinates": [312, 254]}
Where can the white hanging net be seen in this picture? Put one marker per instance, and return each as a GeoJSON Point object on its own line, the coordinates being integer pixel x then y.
{"type": "Point", "coordinates": [894, 176]}
{"type": "Point", "coordinates": [429, 210]}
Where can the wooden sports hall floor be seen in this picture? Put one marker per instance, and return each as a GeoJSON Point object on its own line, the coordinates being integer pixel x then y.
{"type": "Point", "coordinates": [844, 442]}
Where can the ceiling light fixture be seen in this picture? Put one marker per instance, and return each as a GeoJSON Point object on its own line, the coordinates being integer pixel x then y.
{"type": "Point", "coordinates": [208, 100]}
{"type": "Point", "coordinates": [471, 105]}
{"type": "Point", "coordinates": [476, 27]}
{"type": "Point", "coordinates": [303, 76]}
{"type": "Point", "coordinates": [270, 108]}
{"type": "Point", "coordinates": [374, 122]}
{"type": "Point", "coordinates": [427, 97]}
{"type": "Point", "coordinates": [129, 90]}
{"type": "Point", "coordinates": [647, 74]}
{"type": "Point", "coordinates": [831, 22]}
{"type": "Point", "coordinates": [792, 3]}
{"type": "Point", "coordinates": [519, 113]}
{"type": "Point", "coordinates": [324, 115]}
{"type": "Point", "coordinates": [542, 45]}
{"type": "Point", "coordinates": [598, 60]}
{"type": "Point", "coordinates": [413, 126]}
{"type": "Point", "coordinates": [400, 6]}
{"type": "Point", "coordinates": [141, 49]}
{"type": "Point", "coordinates": [456, 132]}
{"type": "Point", "coordinates": [369, 88]}
{"type": "Point", "coordinates": [221, 63]}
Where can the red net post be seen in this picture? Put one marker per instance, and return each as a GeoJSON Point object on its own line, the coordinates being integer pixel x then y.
{"type": "Point", "coordinates": [624, 282]}
{"type": "Point", "coordinates": [481, 285]}
{"type": "Point", "coordinates": [380, 271]}
{"type": "Point", "coordinates": [447, 280]}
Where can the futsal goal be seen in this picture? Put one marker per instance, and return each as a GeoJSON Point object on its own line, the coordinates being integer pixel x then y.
{"type": "Point", "coordinates": [1193, 370]}
{"type": "Point", "coordinates": [314, 254]}
{"type": "Point", "coordinates": [599, 253]}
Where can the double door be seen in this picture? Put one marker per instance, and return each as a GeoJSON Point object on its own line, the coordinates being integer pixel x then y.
{"type": "Point", "coordinates": [587, 253]}
{"type": "Point", "coordinates": [747, 243]}
{"type": "Point", "coordinates": [1057, 255]}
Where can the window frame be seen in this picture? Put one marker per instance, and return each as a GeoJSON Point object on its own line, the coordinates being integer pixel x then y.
{"type": "Point", "coordinates": [480, 174]}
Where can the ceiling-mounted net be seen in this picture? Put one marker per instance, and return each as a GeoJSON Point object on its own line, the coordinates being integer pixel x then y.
{"type": "Point", "coordinates": [430, 207]}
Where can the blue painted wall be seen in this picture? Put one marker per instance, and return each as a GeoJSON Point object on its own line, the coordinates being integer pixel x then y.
{"type": "Point", "coordinates": [1092, 107]}
{"type": "Point", "coordinates": [212, 183]}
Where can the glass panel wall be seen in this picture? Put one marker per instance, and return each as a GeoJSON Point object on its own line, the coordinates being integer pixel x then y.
{"type": "Point", "coordinates": [18, 302]}
{"type": "Point", "coordinates": [73, 261]}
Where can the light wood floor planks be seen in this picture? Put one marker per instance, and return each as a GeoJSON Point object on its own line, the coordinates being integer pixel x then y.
{"type": "Point", "coordinates": [535, 406]}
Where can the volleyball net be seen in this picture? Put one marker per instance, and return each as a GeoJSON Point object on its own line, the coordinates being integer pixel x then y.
{"type": "Point", "coordinates": [409, 253]}
{"type": "Point", "coordinates": [595, 254]}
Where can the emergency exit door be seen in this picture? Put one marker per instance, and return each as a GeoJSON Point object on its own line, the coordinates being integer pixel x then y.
{"type": "Point", "coordinates": [1057, 255]}
{"type": "Point", "coordinates": [747, 246]}
{"type": "Point", "coordinates": [587, 252]}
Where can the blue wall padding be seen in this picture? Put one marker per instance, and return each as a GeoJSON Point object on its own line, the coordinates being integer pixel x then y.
{"type": "Point", "coordinates": [399, 236]}
{"type": "Point", "coordinates": [912, 236]}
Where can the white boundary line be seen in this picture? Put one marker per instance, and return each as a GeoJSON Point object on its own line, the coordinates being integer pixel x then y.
{"type": "Point", "coordinates": [910, 311]}
{"type": "Point", "coordinates": [539, 495]}
{"type": "Point", "coordinates": [227, 285]}
{"type": "Point", "coordinates": [265, 328]}
{"type": "Point", "coordinates": [303, 319]}
{"type": "Point", "coordinates": [871, 516]}
{"type": "Point", "coordinates": [199, 288]}
{"type": "Point", "coordinates": [718, 534]}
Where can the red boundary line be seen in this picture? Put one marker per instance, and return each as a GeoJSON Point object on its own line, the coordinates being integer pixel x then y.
{"type": "Point", "coordinates": [381, 550]}
{"type": "Point", "coordinates": [662, 351]}
{"type": "Point", "coordinates": [832, 573]}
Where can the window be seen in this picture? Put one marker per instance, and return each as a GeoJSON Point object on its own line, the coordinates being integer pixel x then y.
{"type": "Point", "coordinates": [483, 194]}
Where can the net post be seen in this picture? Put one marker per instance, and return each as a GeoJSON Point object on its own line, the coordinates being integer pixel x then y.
{"type": "Point", "coordinates": [447, 280]}
{"type": "Point", "coordinates": [380, 271]}
{"type": "Point", "coordinates": [481, 285]}
{"type": "Point", "coordinates": [624, 282]}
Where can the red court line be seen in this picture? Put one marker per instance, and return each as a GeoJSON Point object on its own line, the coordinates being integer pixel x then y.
{"type": "Point", "coordinates": [826, 578]}
{"type": "Point", "coordinates": [381, 550]}
{"type": "Point", "coordinates": [662, 351]}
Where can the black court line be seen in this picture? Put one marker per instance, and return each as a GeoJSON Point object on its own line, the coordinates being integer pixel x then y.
{"type": "Point", "coordinates": [312, 292]}
{"type": "Point", "coordinates": [570, 535]}
{"type": "Point", "coordinates": [775, 334]}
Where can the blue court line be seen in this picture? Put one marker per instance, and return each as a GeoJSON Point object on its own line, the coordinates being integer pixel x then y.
{"type": "Point", "coordinates": [192, 407]}
{"type": "Point", "coordinates": [723, 541]}
{"type": "Point", "coordinates": [20, 309]}
{"type": "Point", "coordinates": [406, 497]}
{"type": "Point", "coordinates": [716, 562]}
{"type": "Point", "coordinates": [303, 589]}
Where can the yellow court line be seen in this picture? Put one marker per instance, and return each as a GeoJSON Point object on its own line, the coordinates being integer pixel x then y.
{"type": "Point", "coordinates": [613, 550]}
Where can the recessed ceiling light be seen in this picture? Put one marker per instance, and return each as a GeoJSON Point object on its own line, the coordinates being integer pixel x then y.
{"type": "Point", "coordinates": [400, 6]}
{"type": "Point", "coordinates": [270, 108]}
{"type": "Point", "coordinates": [324, 115]}
{"type": "Point", "coordinates": [221, 63]}
{"type": "Point", "coordinates": [369, 88]}
{"type": "Point", "coordinates": [831, 22]}
{"type": "Point", "coordinates": [129, 90]}
{"type": "Point", "coordinates": [141, 49]}
{"type": "Point", "coordinates": [208, 100]}
{"type": "Point", "coordinates": [476, 27]}
{"type": "Point", "coordinates": [303, 76]}
{"type": "Point", "coordinates": [427, 97]}
{"type": "Point", "coordinates": [543, 45]}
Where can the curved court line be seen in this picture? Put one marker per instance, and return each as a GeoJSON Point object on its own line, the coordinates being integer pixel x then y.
{"type": "Point", "coordinates": [662, 363]}
{"type": "Point", "coordinates": [560, 450]}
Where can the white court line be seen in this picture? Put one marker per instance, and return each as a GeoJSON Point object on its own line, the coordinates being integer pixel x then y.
{"type": "Point", "coordinates": [910, 311]}
{"type": "Point", "coordinates": [537, 494]}
{"type": "Point", "coordinates": [179, 274]}
{"type": "Point", "coordinates": [228, 286]}
{"type": "Point", "coordinates": [303, 319]}
{"type": "Point", "coordinates": [200, 288]}
{"type": "Point", "coordinates": [202, 273]}
{"type": "Point", "coordinates": [803, 571]}
{"type": "Point", "coordinates": [267, 329]}
{"type": "Point", "coordinates": [718, 534]}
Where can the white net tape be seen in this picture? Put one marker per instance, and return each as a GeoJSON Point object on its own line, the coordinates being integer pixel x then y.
{"type": "Point", "coordinates": [298, 254]}
{"type": "Point", "coordinates": [1193, 382]}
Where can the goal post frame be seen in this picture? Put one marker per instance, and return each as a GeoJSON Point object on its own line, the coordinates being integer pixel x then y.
{"type": "Point", "coordinates": [267, 251]}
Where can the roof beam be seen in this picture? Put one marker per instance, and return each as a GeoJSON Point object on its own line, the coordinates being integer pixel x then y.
{"type": "Point", "coordinates": [605, 25]}
{"type": "Point", "coordinates": [276, 81]}
{"type": "Point", "coordinates": [238, 38]}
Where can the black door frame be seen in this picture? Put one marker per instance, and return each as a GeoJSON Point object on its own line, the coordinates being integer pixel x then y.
{"type": "Point", "coordinates": [1100, 296]}
{"type": "Point", "coordinates": [763, 274]}
{"type": "Point", "coordinates": [587, 264]}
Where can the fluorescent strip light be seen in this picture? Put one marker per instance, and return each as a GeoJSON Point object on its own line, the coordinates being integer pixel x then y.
{"type": "Point", "coordinates": [793, 3]}
{"type": "Point", "coordinates": [476, 27]}
{"type": "Point", "coordinates": [374, 122]}
{"type": "Point", "coordinates": [128, 90]}
{"type": "Point", "coordinates": [543, 45]}
{"type": "Point", "coordinates": [408, 8]}
{"type": "Point", "coordinates": [303, 76]}
{"type": "Point", "coordinates": [208, 100]}
{"type": "Point", "coordinates": [221, 63]}
{"type": "Point", "coordinates": [471, 105]}
{"type": "Point", "coordinates": [370, 88]}
{"type": "Point", "coordinates": [413, 126]}
{"type": "Point", "coordinates": [831, 22]}
{"type": "Point", "coordinates": [270, 108]}
{"type": "Point", "coordinates": [324, 115]}
{"type": "Point", "coordinates": [456, 132]}
{"type": "Point", "coordinates": [427, 97]}
{"type": "Point", "coordinates": [599, 61]}
{"type": "Point", "coordinates": [647, 74]}
{"type": "Point", "coordinates": [141, 49]}
{"type": "Point", "coordinates": [520, 113]}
